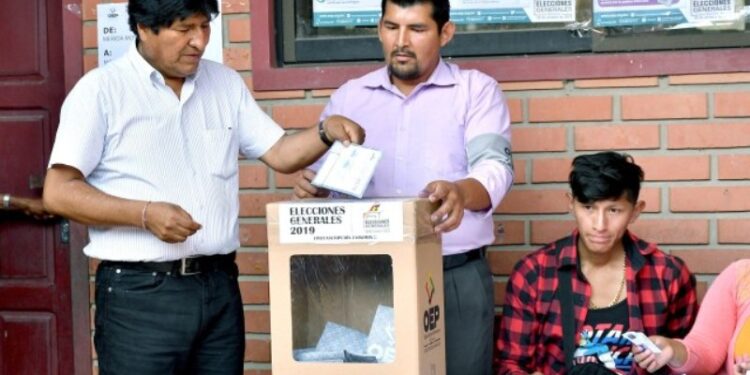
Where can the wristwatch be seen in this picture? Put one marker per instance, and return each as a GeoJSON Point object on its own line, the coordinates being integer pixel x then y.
{"type": "Point", "coordinates": [323, 136]}
{"type": "Point", "coordinates": [6, 201]}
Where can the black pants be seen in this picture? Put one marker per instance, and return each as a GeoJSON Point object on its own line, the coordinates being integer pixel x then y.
{"type": "Point", "coordinates": [469, 317]}
{"type": "Point", "coordinates": [160, 323]}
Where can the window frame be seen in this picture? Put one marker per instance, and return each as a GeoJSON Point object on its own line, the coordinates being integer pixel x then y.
{"type": "Point", "coordinates": [267, 76]}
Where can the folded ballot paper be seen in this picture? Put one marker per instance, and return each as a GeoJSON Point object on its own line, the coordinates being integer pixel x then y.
{"type": "Point", "coordinates": [381, 342]}
{"type": "Point", "coordinates": [347, 169]}
{"type": "Point", "coordinates": [338, 343]}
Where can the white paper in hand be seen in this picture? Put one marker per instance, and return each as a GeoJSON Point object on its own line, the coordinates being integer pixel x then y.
{"type": "Point", "coordinates": [347, 169]}
{"type": "Point", "coordinates": [640, 339]}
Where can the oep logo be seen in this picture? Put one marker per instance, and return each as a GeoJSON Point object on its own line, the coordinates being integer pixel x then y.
{"type": "Point", "coordinates": [432, 314]}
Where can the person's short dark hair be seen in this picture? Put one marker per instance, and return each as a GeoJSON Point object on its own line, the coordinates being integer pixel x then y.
{"type": "Point", "coordinates": [605, 175]}
{"type": "Point", "coordinates": [441, 9]}
{"type": "Point", "coordinates": [156, 14]}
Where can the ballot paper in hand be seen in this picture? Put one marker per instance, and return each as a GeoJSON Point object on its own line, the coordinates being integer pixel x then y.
{"type": "Point", "coordinates": [347, 169]}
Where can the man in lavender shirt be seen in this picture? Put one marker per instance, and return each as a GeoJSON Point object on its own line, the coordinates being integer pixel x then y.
{"type": "Point", "coordinates": [444, 133]}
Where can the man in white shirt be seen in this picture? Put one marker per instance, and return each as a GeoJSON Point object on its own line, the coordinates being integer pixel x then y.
{"type": "Point", "coordinates": [146, 156]}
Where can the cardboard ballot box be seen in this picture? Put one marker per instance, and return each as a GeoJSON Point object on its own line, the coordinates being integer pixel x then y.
{"type": "Point", "coordinates": [356, 288]}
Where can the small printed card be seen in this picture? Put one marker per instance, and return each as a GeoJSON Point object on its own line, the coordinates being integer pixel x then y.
{"type": "Point", "coordinates": [347, 169]}
{"type": "Point", "coordinates": [640, 339]}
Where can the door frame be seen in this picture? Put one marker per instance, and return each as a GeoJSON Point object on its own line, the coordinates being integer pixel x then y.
{"type": "Point", "coordinates": [72, 23]}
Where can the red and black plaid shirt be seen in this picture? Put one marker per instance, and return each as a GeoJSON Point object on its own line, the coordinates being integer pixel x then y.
{"type": "Point", "coordinates": [661, 300]}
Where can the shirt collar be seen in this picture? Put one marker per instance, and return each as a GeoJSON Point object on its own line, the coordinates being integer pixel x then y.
{"type": "Point", "coordinates": [442, 76]}
{"type": "Point", "coordinates": [635, 249]}
{"type": "Point", "coordinates": [142, 67]}
{"type": "Point", "coordinates": [147, 71]}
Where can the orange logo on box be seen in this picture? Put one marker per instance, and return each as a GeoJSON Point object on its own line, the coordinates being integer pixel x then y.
{"type": "Point", "coordinates": [373, 213]}
{"type": "Point", "coordinates": [429, 287]}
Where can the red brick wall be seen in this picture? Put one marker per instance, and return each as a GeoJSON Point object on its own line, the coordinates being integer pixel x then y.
{"type": "Point", "coordinates": [691, 134]}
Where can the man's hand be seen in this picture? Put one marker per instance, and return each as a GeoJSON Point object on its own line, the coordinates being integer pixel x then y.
{"type": "Point", "coordinates": [169, 222]}
{"type": "Point", "coordinates": [32, 207]}
{"type": "Point", "coordinates": [651, 361]}
{"type": "Point", "coordinates": [304, 189]}
{"type": "Point", "coordinates": [340, 128]}
{"type": "Point", "coordinates": [296, 151]}
{"type": "Point", "coordinates": [451, 211]}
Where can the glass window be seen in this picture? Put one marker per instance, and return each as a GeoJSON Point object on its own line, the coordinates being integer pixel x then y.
{"type": "Point", "coordinates": [342, 308]}
{"type": "Point", "coordinates": [598, 26]}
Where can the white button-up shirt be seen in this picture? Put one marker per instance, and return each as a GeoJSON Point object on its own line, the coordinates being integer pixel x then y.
{"type": "Point", "coordinates": [132, 137]}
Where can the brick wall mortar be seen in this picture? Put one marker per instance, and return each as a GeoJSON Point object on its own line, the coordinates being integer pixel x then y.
{"type": "Point", "coordinates": [663, 87]}
{"type": "Point", "coordinates": [308, 100]}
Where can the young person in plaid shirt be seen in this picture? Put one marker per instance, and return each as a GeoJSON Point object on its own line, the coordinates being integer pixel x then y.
{"type": "Point", "coordinates": [619, 282]}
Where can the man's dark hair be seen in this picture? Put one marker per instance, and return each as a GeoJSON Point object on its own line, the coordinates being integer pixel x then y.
{"type": "Point", "coordinates": [441, 9]}
{"type": "Point", "coordinates": [605, 175]}
{"type": "Point", "coordinates": [156, 14]}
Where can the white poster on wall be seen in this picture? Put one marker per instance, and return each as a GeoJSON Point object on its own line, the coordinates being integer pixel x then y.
{"type": "Point", "coordinates": [348, 13]}
{"type": "Point", "coordinates": [512, 11]}
{"type": "Point", "coordinates": [338, 13]}
{"type": "Point", "coordinates": [115, 38]}
{"type": "Point", "coordinates": [608, 13]}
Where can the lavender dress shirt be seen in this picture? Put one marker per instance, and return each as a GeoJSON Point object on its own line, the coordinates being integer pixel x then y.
{"type": "Point", "coordinates": [453, 126]}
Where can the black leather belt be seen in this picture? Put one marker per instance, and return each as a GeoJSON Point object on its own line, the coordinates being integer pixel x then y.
{"type": "Point", "coordinates": [458, 260]}
{"type": "Point", "coordinates": [184, 266]}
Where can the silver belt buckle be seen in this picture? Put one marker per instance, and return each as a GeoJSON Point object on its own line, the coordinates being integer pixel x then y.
{"type": "Point", "coordinates": [186, 269]}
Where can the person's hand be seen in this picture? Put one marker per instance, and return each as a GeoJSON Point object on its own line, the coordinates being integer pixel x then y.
{"type": "Point", "coordinates": [340, 128]}
{"type": "Point", "coordinates": [651, 361]}
{"type": "Point", "coordinates": [169, 222]}
{"type": "Point", "coordinates": [742, 365]}
{"type": "Point", "coordinates": [451, 211]}
{"type": "Point", "coordinates": [32, 207]}
{"type": "Point", "coordinates": [304, 189]}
